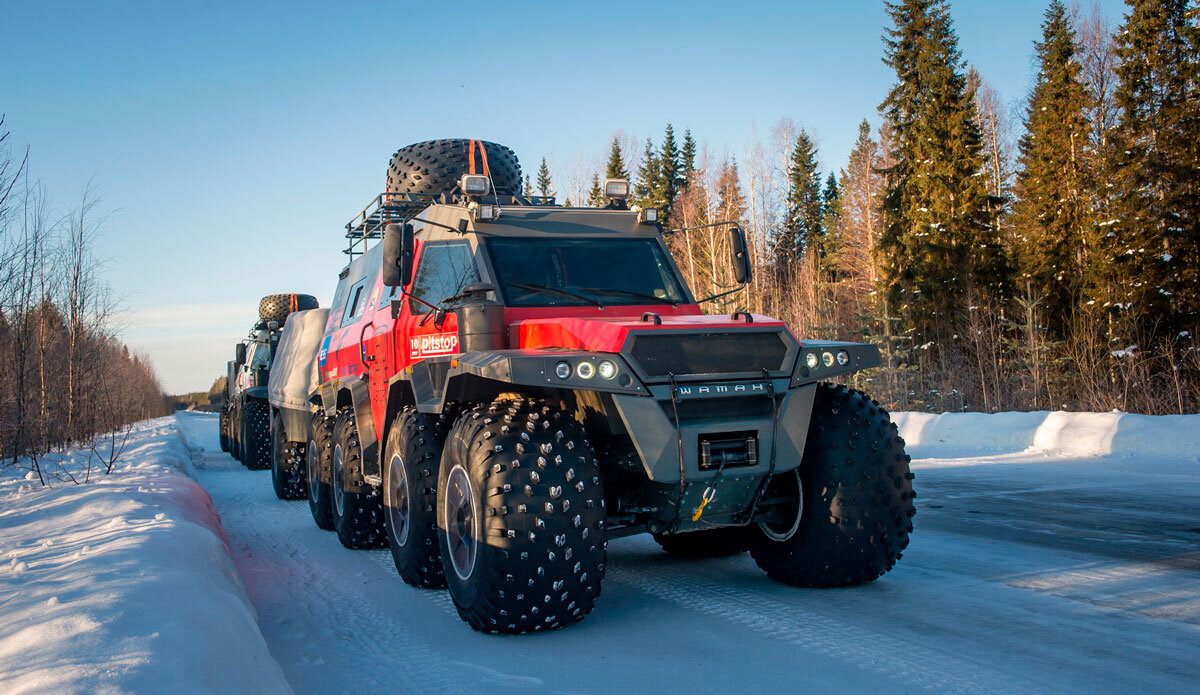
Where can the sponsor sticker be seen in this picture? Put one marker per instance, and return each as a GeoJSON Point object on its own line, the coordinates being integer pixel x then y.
{"type": "Point", "coordinates": [421, 346]}
{"type": "Point", "coordinates": [323, 353]}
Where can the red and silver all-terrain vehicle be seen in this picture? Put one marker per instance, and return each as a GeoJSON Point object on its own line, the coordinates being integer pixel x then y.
{"type": "Point", "coordinates": [506, 384]}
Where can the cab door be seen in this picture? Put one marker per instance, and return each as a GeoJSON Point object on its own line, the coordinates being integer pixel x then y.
{"type": "Point", "coordinates": [443, 269]}
{"type": "Point", "coordinates": [378, 349]}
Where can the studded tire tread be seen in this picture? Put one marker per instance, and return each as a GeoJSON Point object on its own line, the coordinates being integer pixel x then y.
{"type": "Point", "coordinates": [256, 433]}
{"type": "Point", "coordinates": [360, 524]}
{"type": "Point", "coordinates": [419, 438]}
{"type": "Point", "coordinates": [858, 497]}
{"type": "Point", "coordinates": [541, 558]}
{"type": "Point", "coordinates": [287, 463]}
{"type": "Point", "coordinates": [434, 167]}
{"type": "Point", "coordinates": [320, 448]}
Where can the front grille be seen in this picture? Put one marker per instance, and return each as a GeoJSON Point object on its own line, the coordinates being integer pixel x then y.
{"type": "Point", "coordinates": [708, 353]}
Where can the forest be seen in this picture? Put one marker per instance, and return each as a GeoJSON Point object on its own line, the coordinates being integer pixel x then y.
{"type": "Point", "coordinates": [1043, 259]}
{"type": "Point", "coordinates": [65, 377]}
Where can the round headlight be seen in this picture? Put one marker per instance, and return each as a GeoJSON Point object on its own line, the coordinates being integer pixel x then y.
{"type": "Point", "coordinates": [562, 370]}
{"type": "Point", "coordinates": [585, 370]}
{"type": "Point", "coordinates": [607, 369]}
{"type": "Point", "coordinates": [843, 357]}
{"type": "Point", "coordinates": [827, 358]}
{"type": "Point", "coordinates": [811, 360]}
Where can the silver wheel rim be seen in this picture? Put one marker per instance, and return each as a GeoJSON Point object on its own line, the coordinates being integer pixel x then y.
{"type": "Point", "coordinates": [459, 521]}
{"type": "Point", "coordinates": [314, 477]}
{"type": "Point", "coordinates": [779, 534]}
{"type": "Point", "coordinates": [339, 495]}
{"type": "Point", "coordinates": [397, 502]}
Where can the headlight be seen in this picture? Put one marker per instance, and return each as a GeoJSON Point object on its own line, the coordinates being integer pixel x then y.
{"type": "Point", "coordinates": [827, 358]}
{"type": "Point", "coordinates": [843, 357]}
{"type": "Point", "coordinates": [811, 360]}
{"type": "Point", "coordinates": [607, 369]}
{"type": "Point", "coordinates": [562, 370]}
{"type": "Point", "coordinates": [585, 370]}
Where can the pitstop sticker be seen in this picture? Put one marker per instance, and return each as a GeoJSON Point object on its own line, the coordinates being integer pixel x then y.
{"type": "Point", "coordinates": [421, 346]}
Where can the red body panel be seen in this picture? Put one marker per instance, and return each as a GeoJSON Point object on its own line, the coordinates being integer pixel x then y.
{"type": "Point", "coordinates": [608, 333]}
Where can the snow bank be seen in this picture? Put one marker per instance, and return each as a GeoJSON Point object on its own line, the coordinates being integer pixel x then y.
{"type": "Point", "coordinates": [1174, 437]}
{"type": "Point", "coordinates": [124, 584]}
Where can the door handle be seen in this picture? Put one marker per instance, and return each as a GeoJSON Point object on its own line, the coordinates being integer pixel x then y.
{"type": "Point", "coordinates": [362, 351]}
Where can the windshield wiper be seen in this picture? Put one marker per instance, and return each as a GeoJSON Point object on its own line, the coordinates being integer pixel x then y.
{"type": "Point", "coordinates": [554, 290]}
{"type": "Point", "coordinates": [629, 293]}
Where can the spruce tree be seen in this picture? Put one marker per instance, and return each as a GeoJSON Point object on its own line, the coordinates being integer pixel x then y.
{"type": "Point", "coordinates": [861, 190]}
{"type": "Point", "coordinates": [528, 187]}
{"type": "Point", "coordinates": [687, 156]}
{"type": "Point", "coordinates": [937, 243]}
{"type": "Point", "coordinates": [803, 225]}
{"type": "Point", "coordinates": [595, 193]}
{"type": "Point", "coordinates": [616, 163]}
{"type": "Point", "coordinates": [829, 237]}
{"type": "Point", "coordinates": [1049, 218]}
{"type": "Point", "coordinates": [670, 178]}
{"type": "Point", "coordinates": [1150, 248]}
{"type": "Point", "coordinates": [544, 184]}
{"type": "Point", "coordinates": [646, 189]}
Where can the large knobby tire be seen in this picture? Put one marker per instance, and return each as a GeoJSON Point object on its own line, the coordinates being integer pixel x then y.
{"type": "Point", "coordinates": [858, 497]}
{"type": "Point", "coordinates": [287, 463]}
{"type": "Point", "coordinates": [277, 307]}
{"type": "Point", "coordinates": [235, 438]}
{"type": "Point", "coordinates": [256, 435]}
{"type": "Point", "coordinates": [410, 473]}
{"type": "Point", "coordinates": [223, 429]}
{"type": "Point", "coordinates": [317, 458]}
{"type": "Point", "coordinates": [357, 506]}
{"type": "Point", "coordinates": [718, 542]}
{"type": "Point", "coordinates": [434, 167]}
{"type": "Point", "coordinates": [521, 518]}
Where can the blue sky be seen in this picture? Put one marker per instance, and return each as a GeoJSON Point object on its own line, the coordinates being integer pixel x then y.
{"type": "Point", "coordinates": [233, 140]}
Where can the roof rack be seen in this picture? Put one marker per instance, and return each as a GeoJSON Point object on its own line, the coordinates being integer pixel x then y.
{"type": "Point", "coordinates": [384, 209]}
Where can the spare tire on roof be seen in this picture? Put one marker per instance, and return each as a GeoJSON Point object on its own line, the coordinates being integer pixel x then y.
{"type": "Point", "coordinates": [276, 307]}
{"type": "Point", "coordinates": [434, 167]}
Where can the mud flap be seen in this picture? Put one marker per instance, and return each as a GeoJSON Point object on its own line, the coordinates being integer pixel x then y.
{"type": "Point", "coordinates": [368, 440]}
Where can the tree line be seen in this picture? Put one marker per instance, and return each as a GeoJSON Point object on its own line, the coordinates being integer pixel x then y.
{"type": "Point", "coordinates": [65, 378]}
{"type": "Point", "coordinates": [1052, 268]}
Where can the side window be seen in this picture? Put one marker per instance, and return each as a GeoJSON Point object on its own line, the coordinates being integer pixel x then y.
{"type": "Point", "coordinates": [355, 302]}
{"type": "Point", "coordinates": [445, 268]}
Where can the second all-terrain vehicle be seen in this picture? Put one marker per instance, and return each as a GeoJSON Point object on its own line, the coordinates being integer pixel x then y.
{"type": "Point", "coordinates": [505, 384]}
{"type": "Point", "coordinates": [245, 419]}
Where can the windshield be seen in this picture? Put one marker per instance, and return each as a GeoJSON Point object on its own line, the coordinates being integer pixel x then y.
{"type": "Point", "coordinates": [583, 272]}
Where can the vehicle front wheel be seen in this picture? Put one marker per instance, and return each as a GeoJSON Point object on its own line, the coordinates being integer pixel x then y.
{"type": "Point", "coordinates": [521, 517]}
{"type": "Point", "coordinates": [357, 506]}
{"type": "Point", "coordinates": [256, 435]}
{"type": "Point", "coordinates": [857, 498]}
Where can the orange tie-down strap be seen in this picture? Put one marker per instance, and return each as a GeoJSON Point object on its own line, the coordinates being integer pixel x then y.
{"type": "Point", "coordinates": [482, 158]}
{"type": "Point", "coordinates": [292, 302]}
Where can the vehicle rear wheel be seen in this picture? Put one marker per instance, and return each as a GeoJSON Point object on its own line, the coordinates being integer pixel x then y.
{"type": "Point", "coordinates": [235, 438]}
{"type": "Point", "coordinates": [287, 463]}
{"type": "Point", "coordinates": [410, 475]}
{"type": "Point", "coordinates": [717, 542]}
{"type": "Point", "coordinates": [857, 498]}
{"type": "Point", "coordinates": [256, 435]}
{"type": "Point", "coordinates": [316, 470]}
{"type": "Point", "coordinates": [521, 517]}
{"type": "Point", "coordinates": [357, 506]}
{"type": "Point", "coordinates": [223, 429]}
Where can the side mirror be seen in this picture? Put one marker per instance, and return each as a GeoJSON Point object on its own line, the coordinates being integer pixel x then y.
{"type": "Point", "coordinates": [239, 353]}
{"type": "Point", "coordinates": [397, 255]}
{"type": "Point", "coordinates": [741, 255]}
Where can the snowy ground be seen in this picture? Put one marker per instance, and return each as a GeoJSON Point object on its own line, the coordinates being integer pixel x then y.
{"type": "Point", "coordinates": [124, 584]}
{"type": "Point", "coordinates": [1052, 554]}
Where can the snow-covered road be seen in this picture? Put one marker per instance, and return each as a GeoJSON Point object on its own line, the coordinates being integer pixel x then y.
{"type": "Point", "coordinates": [1028, 572]}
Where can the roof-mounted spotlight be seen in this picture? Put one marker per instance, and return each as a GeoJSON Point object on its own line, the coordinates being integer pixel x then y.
{"type": "Point", "coordinates": [646, 215]}
{"type": "Point", "coordinates": [474, 184]}
{"type": "Point", "coordinates": [616, 189]}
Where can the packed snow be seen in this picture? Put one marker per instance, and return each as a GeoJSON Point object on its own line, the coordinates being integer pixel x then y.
{"type": "Point", "coordinates": [123, 584]}
{"type": "Point", "coordinates": [1053, 552]}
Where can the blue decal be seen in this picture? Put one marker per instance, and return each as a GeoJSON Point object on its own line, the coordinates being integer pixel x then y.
{"type": "Point", "coordinates": [324, 352]}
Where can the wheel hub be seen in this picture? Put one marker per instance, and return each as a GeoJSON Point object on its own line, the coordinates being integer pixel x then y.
{"type": "Point", "coordinates": [786, 520]}
{"type": "Point", "coordinates": [311, 472]}
{"type": "Point", "coordinates": [459, 522]}
{"type": "Point", "coordinates": [397, 502]}
{"type": "Point", "coordinates": [339, 494]}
